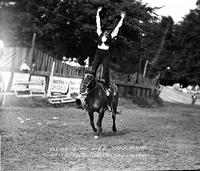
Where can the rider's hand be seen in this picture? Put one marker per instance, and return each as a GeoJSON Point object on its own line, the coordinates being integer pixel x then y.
{"type": "Point", "coordinates": [99, 9]}
{"type": "Point", "coordinates": [123, 14]}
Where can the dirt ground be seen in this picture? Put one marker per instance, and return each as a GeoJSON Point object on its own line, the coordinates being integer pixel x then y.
{"type": "Point", "coordinates": [61, 139]}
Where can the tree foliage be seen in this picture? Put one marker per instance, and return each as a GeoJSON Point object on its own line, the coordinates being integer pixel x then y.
{"type": "Point", "coordinates": [68, 28]}
{"type": "Point", "coordinates": [185, 67]}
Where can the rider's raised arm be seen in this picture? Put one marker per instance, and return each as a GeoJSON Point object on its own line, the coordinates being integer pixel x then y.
{"type": "Point", "coordinates": [98, 22]}
{"type": "Point", "coordinates": [116, 30]}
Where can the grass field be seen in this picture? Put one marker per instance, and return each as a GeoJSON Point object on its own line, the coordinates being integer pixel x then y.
{"type": "Point", "coordinates": [58, 139]}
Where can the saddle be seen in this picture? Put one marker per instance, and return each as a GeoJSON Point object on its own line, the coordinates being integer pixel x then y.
{"type": "Point", "coordinates": [110, 92]}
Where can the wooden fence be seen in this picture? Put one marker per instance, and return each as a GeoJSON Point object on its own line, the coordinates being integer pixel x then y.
{"type": "Point", "coordinates": [132, 84]}
{"type": "Point", "coordinates": [132, 90]}
{"type": "Point", "coordinates": [41, 64]}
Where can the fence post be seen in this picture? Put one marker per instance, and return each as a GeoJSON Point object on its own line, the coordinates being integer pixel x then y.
{"type": "Point", "coordinates": [31, 53]}
{"type": "Point", "coordinates": [12, 73]}
{"type": "Point", "coordinates": [145, 68]}
{"type": "Point", "coordinates": [50, 79]}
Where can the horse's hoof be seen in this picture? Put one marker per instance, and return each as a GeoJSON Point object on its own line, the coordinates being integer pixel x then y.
{"type": "Point", "coordinates": [94, 129]}
{"type": "Point", "coordinates": [114, 129]}
{"type": "Point", "coordinates": [100, 130]}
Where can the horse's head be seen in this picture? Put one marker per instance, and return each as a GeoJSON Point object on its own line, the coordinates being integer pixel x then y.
{"type": "Point", "coordinates": [86, 82]}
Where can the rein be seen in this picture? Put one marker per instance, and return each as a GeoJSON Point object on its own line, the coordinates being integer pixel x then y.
{"type": "Point", "coordinates": [92, 89]}
{"type": "Point", "coordinates": [95, 85]}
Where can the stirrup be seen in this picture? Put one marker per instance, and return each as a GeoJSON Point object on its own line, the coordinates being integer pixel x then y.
{"type": "Point", "coordinates": [109, 108]}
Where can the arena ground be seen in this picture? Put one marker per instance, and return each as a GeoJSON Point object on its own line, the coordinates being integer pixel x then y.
{"type": "Point", "coordinates": [61, 139]}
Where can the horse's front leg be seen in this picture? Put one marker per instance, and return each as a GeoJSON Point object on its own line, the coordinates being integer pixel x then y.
{"type": "Point", "coordinates": [91, 115]}
{"type": "Point", "coordinates": [99, 122]}
{"type": "Point", "coordinates": [114, 111]}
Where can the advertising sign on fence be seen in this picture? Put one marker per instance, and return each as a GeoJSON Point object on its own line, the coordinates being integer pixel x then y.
{"type": "Point", "coordinates": [74, 85]}
{"type": "Point", "coordinates": [20, 81]}
{"type": "Point", "coordinates": [59, 85]}
{"type": "Point", "coordinates": [65, 85]}
{"type": "Point", "coordinates": [37, 84]}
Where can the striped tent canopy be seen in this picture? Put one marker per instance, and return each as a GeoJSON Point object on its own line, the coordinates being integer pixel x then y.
{"type": "Point", "coordinates": [14, 57]}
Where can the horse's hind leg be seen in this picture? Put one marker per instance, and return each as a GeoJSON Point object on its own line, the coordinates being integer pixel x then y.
{"type": "Point", "coordinates": [99, 122]}
{"type": "Point", "coordinates": [91, 115]}
{"type": "Point", "coordinates": [114, 111]}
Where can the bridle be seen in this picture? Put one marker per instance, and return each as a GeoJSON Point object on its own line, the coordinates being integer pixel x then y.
{"type": "Point", "coordinates": [89, 80]}
{"type": "Point", "coordinates": [88, 83]}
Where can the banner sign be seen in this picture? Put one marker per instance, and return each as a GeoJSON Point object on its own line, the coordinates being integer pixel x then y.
{"type": "Point", "coordinates": [65, 85]}
{"type": "Point", "coordinates": [59, 85]}
{"type": "Point", "coordinates": [37, 84]}
{"type": "Point", "coordinates": [75, 85]}
{"type": "Point", "coordinates": [20, 81]}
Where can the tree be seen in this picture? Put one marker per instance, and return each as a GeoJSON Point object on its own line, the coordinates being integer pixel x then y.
{"type": "Point", "coordinates": [188, 37]}
{"type": "Point", "coordinates": [158, 45]}
{"type": "Point", "coordinates": [15, 24]}
{"type": "Point", "coordinates": [68, 27]}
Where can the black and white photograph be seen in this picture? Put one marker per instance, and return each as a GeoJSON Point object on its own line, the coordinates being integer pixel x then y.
{"type": "Point", "coordinates": [99, 85]}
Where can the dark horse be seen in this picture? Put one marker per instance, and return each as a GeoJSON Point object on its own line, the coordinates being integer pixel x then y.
{"type": "Point", "coordinates": [97, 100]}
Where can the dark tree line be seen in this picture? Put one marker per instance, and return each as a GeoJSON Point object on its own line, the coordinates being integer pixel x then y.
{"type": "Point", "coordinates": [68, 28]}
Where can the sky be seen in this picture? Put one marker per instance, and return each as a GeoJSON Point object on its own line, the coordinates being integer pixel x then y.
{"type": "Point", "coordinates": [177, 9]}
